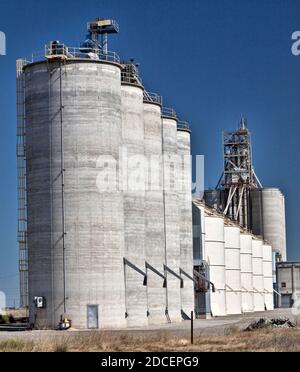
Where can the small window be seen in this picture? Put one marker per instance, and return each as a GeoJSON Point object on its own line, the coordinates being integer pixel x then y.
{"type": "Point", "coordinates": [283, 285]}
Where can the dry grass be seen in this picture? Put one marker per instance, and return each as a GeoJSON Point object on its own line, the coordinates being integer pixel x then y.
{"type": "Point", "coordinates": [280, 340]}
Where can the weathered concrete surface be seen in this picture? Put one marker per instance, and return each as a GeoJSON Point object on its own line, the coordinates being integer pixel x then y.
{"type": "Point", "coordinates": [247, 273]}
{"type": "Point", "coordinates": [171, 216]}
{"type": "Point", "coordinates": [134, 202]}
{"type": "Point", "coordinates": [268, 276]}
{"type": "Point", "coordinates": [154, 214]}
{"type": "Point", "coordinates": [185, 218]}
{"type": "Point", "coordinates": [258, 275]}
{"type": "Point", "coordinates": [215, 257]}
{"type": "Point", "coordinates": [233, 270]}
{"type": "Point", "coordinates": [86, 96]}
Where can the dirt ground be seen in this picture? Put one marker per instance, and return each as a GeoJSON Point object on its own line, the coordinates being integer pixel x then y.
{"type": "Point", "coordinates": [218, 334]}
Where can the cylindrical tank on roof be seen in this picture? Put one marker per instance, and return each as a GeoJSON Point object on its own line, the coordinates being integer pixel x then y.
{"type": "Point", "coordinates": [172, 230]}
{"type": "Point", "coordinates": [268, 276]}
{"type": "Point", "coordinates": [154, 213]}
{"type": "Point", "coordinates": [258, 275]}
{"type": "Point", "coordinates": [185, 217]}
{"type": "Point", "coordinates": [215, 257]}
{"type": "Point", "coordinates": [233, 269]}
{"type": "Point", "coordinates": [73, 136]}
{"type": "Point", "coordinates": [246, 273]}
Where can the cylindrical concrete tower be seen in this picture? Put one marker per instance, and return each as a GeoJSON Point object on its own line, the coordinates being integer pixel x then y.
{"type": "Point", "coordinates": [215, 257]}
{"type": "Point", "coordinates": [268, 218]}
{"type": "Point", "coordinates": [246, 273]}
{"type": "Point", "coordinates": [233, 269]}
{"type": "Point", "coordinates": [171, 201]}
{"type": "Point", "coordinates": [75, 209]}
{"type": "Point", "coordinates": [258, 275]}
{"type": "Point", "coordinates": [134, 185]}
{"type": "Point", "coordinates": [185, 211]}
{"type": "Point", "coordinates": [154, 212]}
{"type": "Point", "coordinates": [268, 276]}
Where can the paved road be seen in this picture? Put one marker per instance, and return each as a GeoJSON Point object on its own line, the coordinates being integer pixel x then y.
{"type": "Point", "coordinates": [202, 327]}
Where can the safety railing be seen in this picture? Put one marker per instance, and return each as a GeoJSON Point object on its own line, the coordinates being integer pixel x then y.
{"type": "Point", "coordinates": [61, 51]}
{"type": "Point", "coordinates": [183, 125]}
{"type": "Point", "coordinates": [126, 77]}
{"type": "Point", "coordinates": [166, 111]}
{"type": "Point", "coordinates": [152, 98]}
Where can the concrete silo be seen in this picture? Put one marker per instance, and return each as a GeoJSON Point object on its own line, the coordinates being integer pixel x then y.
{"type": "Point", "coordinates": [171, 202]}
{"type": "Point", "coordinates": [185, 217]}
{"type": "Point", "coordinates": [154, 210]}
{"type": "Point", "coordinates": [246, 273]}
{"type": "Point", "coordinates": [75, 227]}
{"type": "Point", "coordinates": [134, 188]}
{"type": "Point", "coordinates": [268, 276]}
{"type": "Point", "coordinates": [268, 218]}
{"type": "Point", "coordinates": [233, 269]}
{"type": "Point", "coordinates": [215, 257]}
{"type": "Point", "coordinates": [258, 275]}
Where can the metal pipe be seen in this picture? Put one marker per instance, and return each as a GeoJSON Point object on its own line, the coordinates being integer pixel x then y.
{"type": "Point", "coordinates": [62, 185]}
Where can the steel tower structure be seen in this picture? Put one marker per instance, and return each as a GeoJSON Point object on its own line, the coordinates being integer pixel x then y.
{"type": "Point", "coordinates": [238, 176]}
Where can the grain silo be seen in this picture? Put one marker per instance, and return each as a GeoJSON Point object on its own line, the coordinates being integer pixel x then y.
{"type": "Point", "coordinates": [215, 257]}
{"type": "Point", "coordinates": [258, 275]}
{"type": "Point", "coordinates": [246, 273]}
{"type": "Point", "coordinates": [171, 203]}
{"type": "Point", "coordinates": [233, 269]}
{"type": "Point", "coordinates": [268, 276]}
{"type": "Point", "coordinates": [268, 216]}
{"type": "Point", "coordinates": [132, 93]}
{"type": "Point", "coordinates": [73, 116]}
{"type": "Point", "coordinates": [154, 210]}
{"type": "Point", "coordinates": [185, 216]}
{"type": "Point", "coordinates": [105, 248]}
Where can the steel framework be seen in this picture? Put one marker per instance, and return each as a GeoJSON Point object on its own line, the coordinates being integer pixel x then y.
{"type": "Point", "coordinates": [238, 176]}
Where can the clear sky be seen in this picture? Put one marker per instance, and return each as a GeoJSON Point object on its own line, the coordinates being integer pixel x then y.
{"type": "Point", "coordinates": [212, 60]}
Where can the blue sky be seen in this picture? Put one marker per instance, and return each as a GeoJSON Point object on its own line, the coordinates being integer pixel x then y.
{"type": "Point", "coordinates": [212, 60]}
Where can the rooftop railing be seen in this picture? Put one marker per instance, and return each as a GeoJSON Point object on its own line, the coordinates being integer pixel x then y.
{"type": "Point", "coordinates": [166, 111]}
{"type": "Point", "coordinates": [152, 98]}
{"type": "Point", "coordinates": [61, 51]}
{"type": "Point", "coordinates": [129, 78]}
{"type": "Point", "coordinates": [183, 125]}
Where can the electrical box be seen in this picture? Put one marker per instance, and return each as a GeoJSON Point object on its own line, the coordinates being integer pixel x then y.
{"type": "Point", "coordinates": [40, 302]}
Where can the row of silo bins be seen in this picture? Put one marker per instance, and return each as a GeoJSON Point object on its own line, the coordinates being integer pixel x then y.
{"type": "Point", "coordinates": [110, 244]}
{"type": "Point", "coordinates": [239, 265]}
